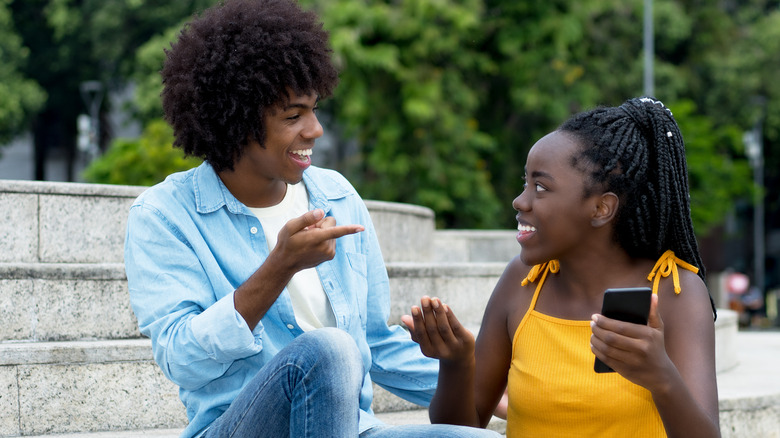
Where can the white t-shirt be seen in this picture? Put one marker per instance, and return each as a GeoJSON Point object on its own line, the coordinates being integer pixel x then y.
{"type": "Point", "coordinates": [310, 303]}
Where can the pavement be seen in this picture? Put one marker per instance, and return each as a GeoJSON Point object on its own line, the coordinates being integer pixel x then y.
{"type": "Point", "coordinates": [757, 373]}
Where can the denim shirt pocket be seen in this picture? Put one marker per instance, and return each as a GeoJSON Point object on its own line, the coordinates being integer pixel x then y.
{"type": "Point", "coordinates": [359, 283]}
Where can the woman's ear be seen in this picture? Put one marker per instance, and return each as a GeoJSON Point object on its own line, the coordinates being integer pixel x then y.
{"type": "Point", "coordinates": [605, 209]}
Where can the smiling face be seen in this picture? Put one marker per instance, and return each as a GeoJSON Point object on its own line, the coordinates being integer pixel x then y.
{"type": "Point", "coordinates": [291, 129]}
{"type": "Point", "coordinates": [262, 172]}
{"type": "Point", "coordinates": [554, 216]}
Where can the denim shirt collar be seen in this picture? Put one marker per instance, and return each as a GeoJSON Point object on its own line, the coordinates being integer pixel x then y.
{"type": "Point", "coordinates": [211, 193]}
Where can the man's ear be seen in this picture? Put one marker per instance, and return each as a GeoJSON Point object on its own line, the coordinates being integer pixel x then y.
{"type": "Point", "coordinates": [605, 209]}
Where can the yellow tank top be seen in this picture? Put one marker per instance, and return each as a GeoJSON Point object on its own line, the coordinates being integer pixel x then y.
{"type": "Point", "coordinates": [553, 390]}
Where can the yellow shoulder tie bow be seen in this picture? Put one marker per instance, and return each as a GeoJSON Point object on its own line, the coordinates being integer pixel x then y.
{"type": "Point", "coordinates": [667, 264]}
{"type": "Point", "coordinates": [541, 269]}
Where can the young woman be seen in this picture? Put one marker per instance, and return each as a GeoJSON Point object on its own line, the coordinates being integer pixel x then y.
{"type": "Point", "coordinates": [605, 205]}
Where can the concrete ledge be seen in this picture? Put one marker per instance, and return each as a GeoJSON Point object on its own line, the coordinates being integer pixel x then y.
{"type": "Point", "coordinates": [68, 398]}
{"type": "Point", "coordinates": [466, 287]}
{"type": "Point", "coordinates": [475, 246]}
{"type": "Point", "coordinates": [77, 301]}
{"type": "Point", "coordinates": [48, 302]}
{"type": "Point", "coordinates": [62, 228]}
{"type": "Point", "coordinates": [55, 222]}
{"type": "Point", "coordinates": [69, 387]}
{"type": "Point", "coordinates": [69, 188]}
{"type": "Point", "coordinates": [405, 231]}
{"type": "Point", "coordinates": [419, 416]}
{"type": "Point", "coordinates": [78, 352]}
{"type": "Point", "coordinates": [726, 340]}
{"type": "Point", "coordinates": [63, 271]}
{"type": "Point", "coordinates": [144, 433]}
{"type": "Point", "coordinates": [750, 392]}
{"type": "Point", "coordinates": [63, 222]}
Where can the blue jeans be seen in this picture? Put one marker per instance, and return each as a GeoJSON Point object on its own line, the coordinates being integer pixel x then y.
{"type": "Point", "coordinates": [311, 388]}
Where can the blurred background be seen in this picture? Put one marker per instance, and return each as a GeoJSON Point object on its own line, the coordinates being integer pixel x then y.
{"type": "Point", "coordinates": [438, 104]}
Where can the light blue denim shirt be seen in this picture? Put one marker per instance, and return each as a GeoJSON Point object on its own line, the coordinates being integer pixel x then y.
{"type": "Point", "coordinates": [190, 243]}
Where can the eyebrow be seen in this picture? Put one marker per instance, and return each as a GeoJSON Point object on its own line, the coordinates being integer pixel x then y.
{"type": "Point", "coordinates": [301, 105]}
{"type": "Point", "coordinates": [541, 174]}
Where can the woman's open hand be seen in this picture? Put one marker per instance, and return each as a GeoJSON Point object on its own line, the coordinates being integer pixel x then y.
{"type": "Point", "coordinates": [434, 326]}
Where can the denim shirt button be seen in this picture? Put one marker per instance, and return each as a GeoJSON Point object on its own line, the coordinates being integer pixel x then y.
{"type": "Point", "coordinates": [253, 230]}
{"type": "Point", "coordinates": [290, 326]}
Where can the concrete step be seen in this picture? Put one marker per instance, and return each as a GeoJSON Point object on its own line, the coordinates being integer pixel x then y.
{"type": "Point", "coordinates": [478, 246]}
{"type": "Point", "coordinates": [416, 416]}
{"type": "Point", "coordinates": [143, 433]}
{"type": "Point", "coordinates": [44, 222]}
{"type": "Point", "coordinates": [76, 386]}
{"type": "Point", "coordinates": [70, 302]}
{"type": "Point", "coordinates": [65, 301]}
{"type": "Point", "coordinates": [749, 401]}
{"type": "Point", "coordinates": [62, 279]}
{"type": "Point", "coordinates": [466, 287]}
{"type": "Point", "coordinates": [74, 301]}
{"type": "Point", "coordinates": [52, 222]}
{"type": "Point", "coordinates": [70, 387]}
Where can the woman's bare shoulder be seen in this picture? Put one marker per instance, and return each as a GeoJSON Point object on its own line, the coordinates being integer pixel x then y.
{"type": "Point", "coordinates": [684, 305]}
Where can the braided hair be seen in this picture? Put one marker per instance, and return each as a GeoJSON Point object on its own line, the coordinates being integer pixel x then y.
{"type": "Point", "coordinates": [636, 151]}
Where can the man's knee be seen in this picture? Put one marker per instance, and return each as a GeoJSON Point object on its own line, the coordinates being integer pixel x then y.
{"type": "Point", "coordinates": [334, 346]}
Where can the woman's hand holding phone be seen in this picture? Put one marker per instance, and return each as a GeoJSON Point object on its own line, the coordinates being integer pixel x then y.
{"type": "Point", "coordinates": [636, 351]}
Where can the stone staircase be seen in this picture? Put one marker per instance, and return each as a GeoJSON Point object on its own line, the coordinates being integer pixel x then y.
{"type": "Point", "coordinates": [73, 363]}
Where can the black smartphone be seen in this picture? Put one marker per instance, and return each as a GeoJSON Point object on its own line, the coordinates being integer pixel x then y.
{"type": "Point", "coordinates": [631, 304]}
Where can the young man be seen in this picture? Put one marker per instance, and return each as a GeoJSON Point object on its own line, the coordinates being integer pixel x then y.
{"type": "Point", "coordinates": [259, 278]}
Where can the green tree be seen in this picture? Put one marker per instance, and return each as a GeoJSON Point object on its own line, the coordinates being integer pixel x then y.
{"type": "Point", "coordinates": [557, 58]}
{"type": "Point", "coordinates": [72, 41]}
{"type": "Point", "coordinates": [407, 97]}
{"type": "Point", "coordinates": [444, 99]}
{"type": "Point", "coordinates": [20, 96]}
{"type": "Point", "coordinates": [143, 161]}
{"type": "Point", "coordinates": [752, 84]}
{"type": "Point", "coordinates": [709, 151]}
{"type": "Point", "coordinates": [149, 60]}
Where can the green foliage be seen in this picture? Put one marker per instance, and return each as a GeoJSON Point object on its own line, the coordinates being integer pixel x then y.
{"type": "Point", "coordinates": [20, 96]}
{"type": "Point", "coordinates": [72, 41]}
{"type": "Point", "coordinates": [710, 152]}
{"type": "Point", "coordinates": [557, 58]}
{"type": "Point", "coordinates": [407, 96]}
{"type": "Point", "coordinates": [149, 61]}
{"type": "Point", "coordinates": [444, 99]}
{"type": "Point", "coordinates": [144, 161]}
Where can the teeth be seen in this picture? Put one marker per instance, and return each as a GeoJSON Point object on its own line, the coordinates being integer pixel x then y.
{"type": "Point", "coordinates": [303, 152]}
{"type": "Point", "coordinates": [525, 228]}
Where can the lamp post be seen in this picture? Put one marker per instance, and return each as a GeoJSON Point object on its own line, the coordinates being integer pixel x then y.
{"type": "Point", "coordinates": [649, 49]}
{"type": "Point", "coordinates": [754, 149]}
{"type": "Point", "coordinates": [92, 94]}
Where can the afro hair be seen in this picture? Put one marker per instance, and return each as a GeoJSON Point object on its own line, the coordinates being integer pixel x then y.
{"type": "Point", "coordinates": [232, 63]}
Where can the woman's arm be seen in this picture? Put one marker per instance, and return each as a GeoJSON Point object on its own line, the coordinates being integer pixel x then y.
{"type": "Point", "coordinates": [472, 375]}
{"type": "Point", "coordinates": [673, 357]}
{"type": "Point", "coordinates": [434, 326]}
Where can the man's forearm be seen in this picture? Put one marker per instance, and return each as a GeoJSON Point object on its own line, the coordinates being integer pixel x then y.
{"type": "Point", "coordinates": [259, 292]}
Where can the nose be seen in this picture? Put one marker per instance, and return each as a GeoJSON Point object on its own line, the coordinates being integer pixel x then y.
{"type": "Point", "coordinates": [521, 202]}
{"type": "Point", "coordinates": [313, 127]}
